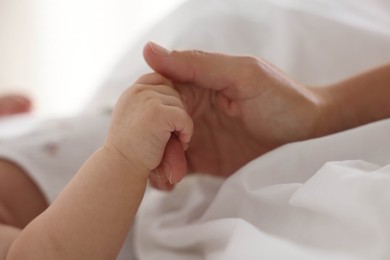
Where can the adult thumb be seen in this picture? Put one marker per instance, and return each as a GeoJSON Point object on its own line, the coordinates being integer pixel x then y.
{"type": "Point", "coordinates": [208, 70]}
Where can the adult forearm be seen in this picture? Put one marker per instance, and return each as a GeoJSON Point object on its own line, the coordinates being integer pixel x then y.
{"type": "Point", "coordinates": [91, 217]}
{"type": "Point", "coordinates": [356, 101]}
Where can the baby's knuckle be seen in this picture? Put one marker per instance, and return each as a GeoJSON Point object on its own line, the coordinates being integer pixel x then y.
{"type": "Point", "coordinates": [146, 77]}
{"type": "Point", "coordinates": [153, 78]}
{"type": "Point", "coordinates": [155, 107]}
{"type": "Point", "coordinates": [177, 112]}
{"type": "Point", "coordinates": [137, 88]}
{"type": "Point", "coordinates": [183, 116]}
{"type": "Point", "coordinates": [144, 95]}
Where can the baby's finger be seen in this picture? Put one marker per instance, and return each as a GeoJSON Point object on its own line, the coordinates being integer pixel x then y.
{"type": "Point", "coordinates": [154, 79]}
{"type": "Point", "coordinates": [170, 100]}
{"type": "Point", "coordinates": [168, 91]}
{"type": "Point", "coordinates": [161, 84]}
{"type": "Point", "coordinates": [181, 123]}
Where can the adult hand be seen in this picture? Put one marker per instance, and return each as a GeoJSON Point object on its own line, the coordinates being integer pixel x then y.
{"type": "Point", "coordinates": [242, 107]}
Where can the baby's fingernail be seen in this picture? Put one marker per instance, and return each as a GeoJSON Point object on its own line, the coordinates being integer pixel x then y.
{"type": "Point", "coordinates": [158, 49]}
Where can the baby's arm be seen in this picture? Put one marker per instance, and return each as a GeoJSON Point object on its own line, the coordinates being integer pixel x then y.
{"type": "Point", "coordinates": [92, 216]}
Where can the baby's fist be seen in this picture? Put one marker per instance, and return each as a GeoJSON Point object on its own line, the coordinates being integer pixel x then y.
{"type": "Point", "coordinates": [144, 118]}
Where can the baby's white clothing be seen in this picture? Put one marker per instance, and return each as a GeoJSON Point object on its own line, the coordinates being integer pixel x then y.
{"type": "Point", "coordinates": [52, 151]}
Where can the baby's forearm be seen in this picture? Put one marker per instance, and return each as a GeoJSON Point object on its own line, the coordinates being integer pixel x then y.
{"type": "Point", "coordinates": [91, 217]}
{"type": "Point", "coordinates": [356, 101]}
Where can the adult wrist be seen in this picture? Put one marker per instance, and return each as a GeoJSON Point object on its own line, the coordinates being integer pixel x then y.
{"type": "Point", "coordinates": [328, 118]}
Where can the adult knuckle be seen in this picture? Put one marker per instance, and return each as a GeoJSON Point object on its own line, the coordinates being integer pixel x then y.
{"type": "Point", "coordinates": [197, 53]}
{"type": "Point", "coordinates": [189, 54]}
{"type": "Point", "coordinates": [193, 60]}
{"type": "Point", "coordinates": [251, 66]}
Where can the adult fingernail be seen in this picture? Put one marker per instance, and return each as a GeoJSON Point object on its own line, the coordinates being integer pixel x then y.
{"type": "Point", "coordinates": [185, 146]}
{"type": "Point", "coordinates": [170, 176]}
{"type": "Point", "coordinates": [168, 172]}
{"type": "Point", "coordinates": [158, 49]}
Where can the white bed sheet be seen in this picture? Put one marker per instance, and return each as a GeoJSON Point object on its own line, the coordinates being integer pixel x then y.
{"type": "Point", "coordinates": [300, 201]}
{"type": "Point", "coordinates": [314, 41]}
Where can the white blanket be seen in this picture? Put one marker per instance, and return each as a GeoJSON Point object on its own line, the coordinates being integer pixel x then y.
{"type": "Point", "coordinates": [314, 41]}
{"type": "Point", "coordinates": [295, 202]}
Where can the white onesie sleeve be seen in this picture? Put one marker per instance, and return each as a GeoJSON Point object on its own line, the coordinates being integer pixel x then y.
{"type": "Point", "coordinates": [51, 151]}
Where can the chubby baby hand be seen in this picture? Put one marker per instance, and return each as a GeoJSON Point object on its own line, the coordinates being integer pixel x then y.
{"type": "Point", "coordinates": [151, 128]}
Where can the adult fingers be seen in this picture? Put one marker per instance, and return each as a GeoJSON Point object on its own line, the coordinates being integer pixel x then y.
{"type": "Point", "coordinates": [173, 166]}
{"type": "Point", "coordinates": [209, 70]}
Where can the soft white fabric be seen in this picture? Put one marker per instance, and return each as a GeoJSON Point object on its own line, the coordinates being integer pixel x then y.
{"type": "Point", "coordinates": [315, 42]}
{"type": "Point", "coordinates": [269, 208]}
{"type": "Point", "coordinates": [295, 202]}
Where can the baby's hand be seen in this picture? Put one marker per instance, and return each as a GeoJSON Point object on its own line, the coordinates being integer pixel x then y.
{"type": "Point", "coordinates": [147, 116]}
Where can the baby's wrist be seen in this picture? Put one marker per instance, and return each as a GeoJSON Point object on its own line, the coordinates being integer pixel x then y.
{"type": "Point", "coordinates": [125, 162]}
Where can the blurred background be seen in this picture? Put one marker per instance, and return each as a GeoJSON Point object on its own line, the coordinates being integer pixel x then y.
{"type": "Point", "coordinates": [58, 52]}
